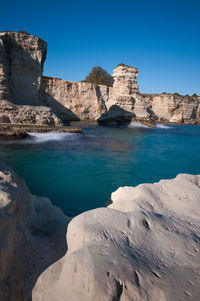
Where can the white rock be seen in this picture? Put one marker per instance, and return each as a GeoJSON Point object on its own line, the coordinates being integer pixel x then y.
{"type": "Point", "coordinates": [144, 246]}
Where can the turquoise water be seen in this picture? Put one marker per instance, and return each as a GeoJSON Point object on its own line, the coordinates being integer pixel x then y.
{"type": "Point", "coordinates": [80, 171]}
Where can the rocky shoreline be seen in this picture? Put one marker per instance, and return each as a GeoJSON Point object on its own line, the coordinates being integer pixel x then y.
{"type": "Point", "coordinates": [144, 246]}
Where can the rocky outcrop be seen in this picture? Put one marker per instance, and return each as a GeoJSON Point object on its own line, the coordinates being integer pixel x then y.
{"type": "Point", "coordinates": [32, 236]}
{"type": "Point", "coordinates": [40, 115]}
{"type": "Point", "coordinates": [22, 58]}
{"type": "Point", "coordinates": [144, 246]}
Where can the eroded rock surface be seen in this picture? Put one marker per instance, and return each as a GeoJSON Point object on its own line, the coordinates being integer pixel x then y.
{"type": "Point", "coordinates": [144, 246]}
{"type": "Point", "coordinates": [75, 100]}
{"type": "Point", "coordinates": [21, 66]}
{"type": "Point", "coordinates": [118, 104]}
{"type": "Point", "coordinates": [22, 58]}
{"type": "Point", "coordinates": [32, 236]}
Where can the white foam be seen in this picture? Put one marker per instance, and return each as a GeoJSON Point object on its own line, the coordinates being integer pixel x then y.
{"type": "Point", "coordinates": [162, 126]}
{"type": "Point", "coordinates": [135, 124]}
{"type": "Point", "coordinates": [50, 136]}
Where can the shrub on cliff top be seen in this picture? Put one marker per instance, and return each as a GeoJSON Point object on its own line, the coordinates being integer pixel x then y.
{"type": "Point", "coordinates": [177, 94]}
{"type": "Point", "coordinates": [123, 65]}
{"type": "Point", "coordinates": [194, 95]}
{"type": "Point", "coordinates": [99, 76]}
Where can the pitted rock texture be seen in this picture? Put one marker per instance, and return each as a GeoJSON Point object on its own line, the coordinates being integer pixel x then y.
{"type": "Point", "coordinates": [32, 236]}
{"type": "Point", "coordinates": [144, 246]}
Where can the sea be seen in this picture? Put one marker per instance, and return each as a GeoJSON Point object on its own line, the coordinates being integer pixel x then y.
{"type": "Point", "coordinates": [79, 172]}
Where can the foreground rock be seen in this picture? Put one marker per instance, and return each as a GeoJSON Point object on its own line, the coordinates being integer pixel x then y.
{"type": "Point", "coordinates": [32, 236]}
{"type": "Point", "coordinates": [144, 246]}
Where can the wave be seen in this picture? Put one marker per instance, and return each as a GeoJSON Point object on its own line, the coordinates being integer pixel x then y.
{"type": "Point", "coordinates": [135, 124]}
{"type": "Point", "coordinates": [48, 137]}
{"type": "Point", "coordinates": [162, 126]}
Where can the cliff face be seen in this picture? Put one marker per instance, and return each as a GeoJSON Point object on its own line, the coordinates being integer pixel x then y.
{"type": "Point", "coordinates": [25, 94]}
{"type": "Point", "coordinates": [75, 100]}
{"type": "Point", "coordinates": [22, 58]}
{"type": "Point", "coordinates": [118, 104]}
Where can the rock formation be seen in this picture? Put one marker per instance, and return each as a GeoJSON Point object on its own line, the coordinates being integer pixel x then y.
{"type": "Point", "coordinates": [75, 100]}
{"type": "Point", "coordinates": [144, 246]}
{"type": "Point", "coordinates": [32, 236]}
{"type": "Point", "coordinates": [118, 104]}
{"type": "Point", "coordinates": [22, 58]}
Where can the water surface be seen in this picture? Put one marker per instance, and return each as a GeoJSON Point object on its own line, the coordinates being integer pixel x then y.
{"type": "Point", "coordinates": [79, 172]}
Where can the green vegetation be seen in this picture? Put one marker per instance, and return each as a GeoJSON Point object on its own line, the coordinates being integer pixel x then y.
{"type": "Point", "coordinates": [164, 92]}
{"type": "Point", "coordinates": [122, 64]}
{"type": "Point", "coordinates": [194, 95]}
{"type": "Point", "coordinates": [99, 76]}
{"type": "Point", "coordinates": [177, 94]}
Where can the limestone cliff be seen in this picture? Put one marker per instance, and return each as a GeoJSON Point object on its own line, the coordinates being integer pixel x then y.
{"type": "Point", "coordinates": [144, 246]}
{"type": "Point", "coordinates": [118, 104]}
{"type": "Point", "coordinates": [75, 100]}
{"type": "Point", "coordinates": [22, 58]}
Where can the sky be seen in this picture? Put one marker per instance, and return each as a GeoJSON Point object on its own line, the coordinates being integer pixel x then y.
{"type": "Point", "coordinates": [160, 38]}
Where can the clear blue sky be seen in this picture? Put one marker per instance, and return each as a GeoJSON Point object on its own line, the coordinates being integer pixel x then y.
{"type": "Point", "coordinates": [161, 38]}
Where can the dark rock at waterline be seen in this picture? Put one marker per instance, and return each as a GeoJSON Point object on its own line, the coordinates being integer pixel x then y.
{"type": "Point", "coordinates": [19, 131]}
{"type": "Point", "coordinates": [115, 117]}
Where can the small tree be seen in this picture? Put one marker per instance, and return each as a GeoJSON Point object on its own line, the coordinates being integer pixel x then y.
{"type": "Point", "coordinates": [99, 76]}
{"type": "Point", "coordinates": [123, 65]}
{"type": "Point", "coordinates": [194, 95]}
